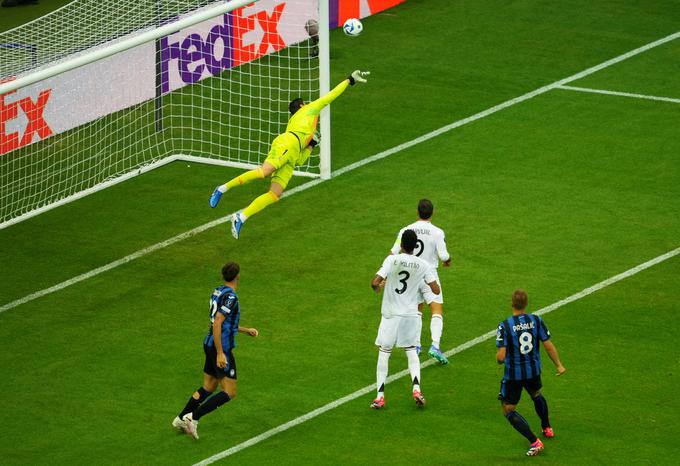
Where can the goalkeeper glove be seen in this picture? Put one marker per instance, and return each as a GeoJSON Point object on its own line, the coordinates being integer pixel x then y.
{"type": "Point", "coordinates": [316, 139]}
{"type": "Point", "coordinates": [358, 77]}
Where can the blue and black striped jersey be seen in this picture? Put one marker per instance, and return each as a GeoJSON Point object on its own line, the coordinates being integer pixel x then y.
{"type": "Point", "coordinates": [225, 301]}
{"type": "Point", "coordinates": [521, 336]}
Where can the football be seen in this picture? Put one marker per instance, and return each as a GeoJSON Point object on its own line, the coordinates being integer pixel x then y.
{"type": "Point", "coordinates": [352, 27]}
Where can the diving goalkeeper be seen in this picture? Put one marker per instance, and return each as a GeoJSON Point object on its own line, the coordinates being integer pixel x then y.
{"type": "Point", "coordinates": [288, 150]}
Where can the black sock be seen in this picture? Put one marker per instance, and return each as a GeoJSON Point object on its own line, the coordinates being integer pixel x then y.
{"type": "Point", "coordinates": [211, 404]}
{"type": "Point", "coordinates": [542, 410]}
{"type": "Point", "coordinates": [193, 403]}
{"type": "Point", "coordinates": [521, 425]}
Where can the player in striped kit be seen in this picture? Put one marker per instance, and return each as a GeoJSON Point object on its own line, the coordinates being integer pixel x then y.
{"type": "Point", "coordinates": [431, 247]}
{"type": "Point", "coordinates": [518, 339]}
{"type": "Point", "coordinates": [400, 276]}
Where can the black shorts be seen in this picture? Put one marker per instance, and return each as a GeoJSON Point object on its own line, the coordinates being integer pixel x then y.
{"type": "Point", "coordinates": [511, 390]}
{"type": "Point", "coordinates": [210, 366]}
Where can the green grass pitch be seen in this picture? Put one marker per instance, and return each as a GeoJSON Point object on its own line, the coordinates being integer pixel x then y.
{"type": "Point", "coordinates": [552, 195]}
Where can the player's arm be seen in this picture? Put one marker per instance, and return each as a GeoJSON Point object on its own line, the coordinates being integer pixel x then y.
{"type": "Point", "coordinates": [356, 77]}
{"type": "Point", "coordinates": [552, 352]}
{"type": "Point", "coordinates": [434, 286]}
{"type": "Point", "coordinates": [396, 247]}
{"type": "Point", "coordinates": [247, 330]}
{"type": "Point", "coordinates": [378, 283]}
{"type": "Point", "coordinates": [217, 333]}
{"type": "Point", "coordinates": [500, 344]}
{"type": "Point", "coordinates": [444, 255]}
{"type": "Point", "coordinates": [500, 355]}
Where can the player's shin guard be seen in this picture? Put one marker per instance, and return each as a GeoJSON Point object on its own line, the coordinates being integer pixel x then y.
{"type": "Point", "coordinates": [413, 367]}
{"type": "Point", "coordinates": [541, 406]}
{"type": "Point", "coordinates": [436, 328]}
{"type": "Point", "coordinates": [382, 369]}
{"type": "Point", "coordinates": [211, 404]}
{"type": "Point", "coordinates": [193, 403]}
{"type": "Point", "coordinates": [258, 204]}
{"type": "Point", "coordinates": [245, 178]}
{"type": "Point", "coordinates": [521, 425]}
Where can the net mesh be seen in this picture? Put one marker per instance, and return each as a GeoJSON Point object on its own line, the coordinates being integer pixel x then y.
{"type": "Point", "coordinates": [218, 90]}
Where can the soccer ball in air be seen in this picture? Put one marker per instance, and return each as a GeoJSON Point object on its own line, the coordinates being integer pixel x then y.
{"type": "Point", "coordinates": [352, 27]}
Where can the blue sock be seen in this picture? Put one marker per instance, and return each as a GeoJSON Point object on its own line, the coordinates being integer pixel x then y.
{"type": "Point", "coordinates": [521, 425]}
{"type": "Point", "coordinates": [194, 403]}
{"type": "Point", "coordinates": [211, 404]}
{"type": "Point", "coordinates": [541, 406]}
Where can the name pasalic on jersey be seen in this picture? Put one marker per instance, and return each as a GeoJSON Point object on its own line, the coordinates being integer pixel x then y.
{"type": "Point", "coordinates": [526, 326]}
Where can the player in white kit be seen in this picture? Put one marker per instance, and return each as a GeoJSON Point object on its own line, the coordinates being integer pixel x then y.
{"type": "Point", "coordinates": [400, 277]}
{"type": "Point", "coordinates": [432, 248]}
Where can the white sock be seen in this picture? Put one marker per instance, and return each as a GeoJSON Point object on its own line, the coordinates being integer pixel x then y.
{"type": "Point", "coordinates": [222, 188]}
{"type": "Point", "coordinates": [382, 369]}
{"type": "Point", "coordinates": [436, 327]}
{"type": "Point", "coordinates": [414, 367]}
{"type": "Point", "coordinates": [420, 326]}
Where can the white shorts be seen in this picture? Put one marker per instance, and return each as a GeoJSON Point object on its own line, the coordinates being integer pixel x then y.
{"type": "Point", "coordinates": [426, 295]}
{"type": "Point", "coordinates": [399, 331]}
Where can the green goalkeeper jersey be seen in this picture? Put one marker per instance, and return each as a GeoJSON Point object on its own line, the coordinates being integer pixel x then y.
{"type": "Point", "coordinates": [304, 122]}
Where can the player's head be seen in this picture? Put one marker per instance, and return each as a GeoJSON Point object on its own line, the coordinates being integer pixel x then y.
{"type": "Point", "coordinates": [409, 239]}
{"type": "Point", "coordinates": [519, 300]}
{"type": "Point", "coordinates": [425, 209]}
{"type": "Point", "coordinates": [295, 105]}
{"type": "Point", "coordinates": [231, 272]}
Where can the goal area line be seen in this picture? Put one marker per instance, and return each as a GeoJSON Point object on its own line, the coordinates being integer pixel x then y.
{"type": "Point", "coordinates": [136, 172]}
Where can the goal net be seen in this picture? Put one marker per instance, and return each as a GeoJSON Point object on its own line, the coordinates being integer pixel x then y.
{"type": "Point", "coordinates": [216, 91]}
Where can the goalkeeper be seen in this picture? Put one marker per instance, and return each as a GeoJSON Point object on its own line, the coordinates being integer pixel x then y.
{"type": "Point", "coordinates": [288, 150]}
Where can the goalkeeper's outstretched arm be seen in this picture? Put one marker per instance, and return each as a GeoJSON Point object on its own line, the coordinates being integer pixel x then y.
{"type": "Point", "coordinates": [356, 77]}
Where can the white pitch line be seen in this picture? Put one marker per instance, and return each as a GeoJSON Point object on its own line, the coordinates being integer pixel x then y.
{"type": "Point", "coordinates": [620, 94]}
{"type": "Point", "coordinates": [468, 344]}
{"type": "Point", "coordinates": [341, 171]}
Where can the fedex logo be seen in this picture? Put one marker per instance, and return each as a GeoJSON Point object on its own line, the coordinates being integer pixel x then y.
{"type": "Point", "coordinates": [30, 110]}
{"type": "Point", "coordinates": [238, 37]}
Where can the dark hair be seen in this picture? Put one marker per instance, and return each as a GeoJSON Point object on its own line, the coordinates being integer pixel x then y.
{"type": "Point", "coordinates": [409, 239]}
{"type": "Point", "coordinates": [519, 300]}
{"type": "Point", "coordinates": [230, 271]}
{"type": "Point", "coordinates": [425, 209]}
{"type": "Point", "coordinates": [295, 105]}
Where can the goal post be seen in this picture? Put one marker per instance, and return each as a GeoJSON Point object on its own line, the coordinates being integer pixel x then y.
{"type": "Point", "coordinates": [113, 89]}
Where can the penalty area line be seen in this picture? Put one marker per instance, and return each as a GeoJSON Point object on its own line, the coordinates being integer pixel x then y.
{"type": "Point", "coordinates": [341, 171]}
{"type": "Point", "coordinates": [458, 349]}
{"type": "Point", "coordinates": [619, 94]}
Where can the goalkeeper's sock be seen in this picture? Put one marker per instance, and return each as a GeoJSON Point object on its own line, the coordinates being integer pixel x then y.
{"type": "Point", "coordinates": [243, 178]}
{"type": "Point", "coordinates": [258, 204]}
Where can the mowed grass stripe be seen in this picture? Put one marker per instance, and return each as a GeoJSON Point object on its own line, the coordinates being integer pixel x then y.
{"type": "Point", "coordinates": [341, 171]}
{"type": "Point", "coordinates": [458, 349]}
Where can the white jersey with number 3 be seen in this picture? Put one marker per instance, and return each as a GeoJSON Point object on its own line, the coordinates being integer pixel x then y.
{"type": "Point", "coordinates": [404, 274]}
